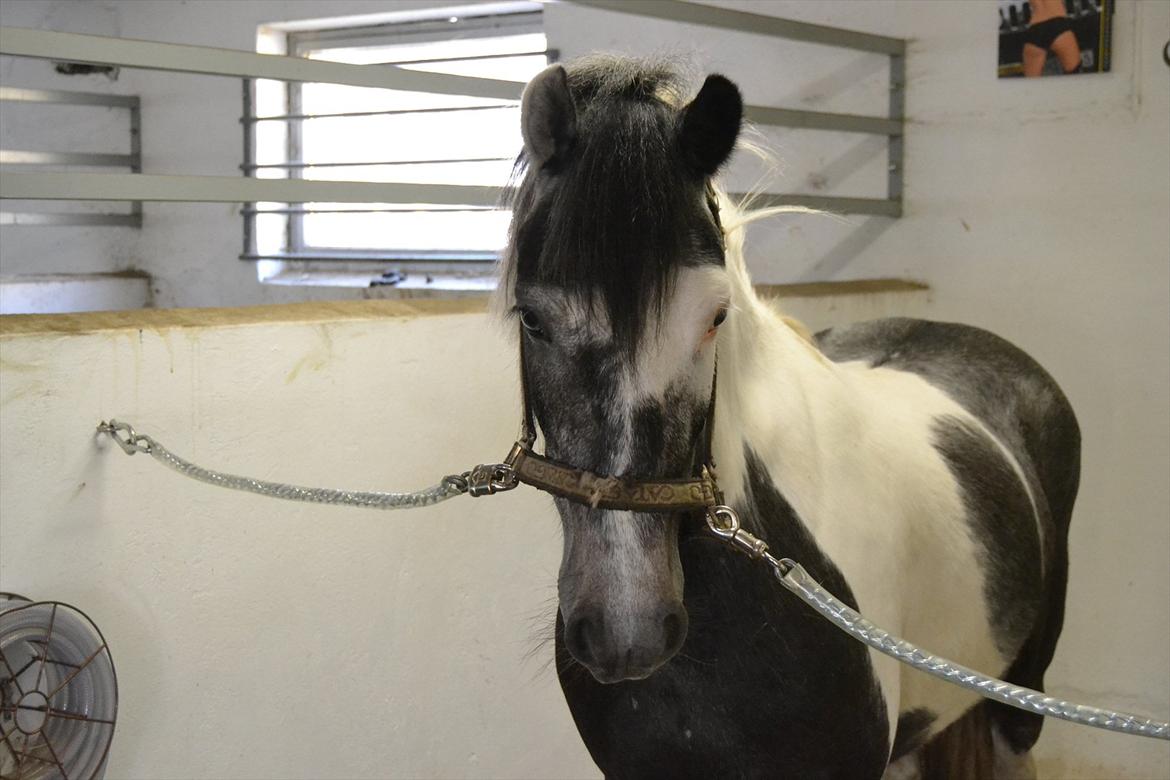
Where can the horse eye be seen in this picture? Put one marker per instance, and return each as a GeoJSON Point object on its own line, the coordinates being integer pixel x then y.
{"type": "Point", "coordinates": [719, 318]}
{"type": "Point", "coordinates": [531, 322]}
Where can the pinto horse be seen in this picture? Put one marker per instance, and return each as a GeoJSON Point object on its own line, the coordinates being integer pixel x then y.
{"type": "Point", "coordinates": [924, 472]}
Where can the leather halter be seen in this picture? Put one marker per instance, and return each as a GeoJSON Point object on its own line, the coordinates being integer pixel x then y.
{"type": "Point", "coordinates": [630, 493]}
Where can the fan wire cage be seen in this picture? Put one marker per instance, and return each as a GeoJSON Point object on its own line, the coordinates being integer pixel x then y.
{"type": "Point", "coordinates": [58, 692]}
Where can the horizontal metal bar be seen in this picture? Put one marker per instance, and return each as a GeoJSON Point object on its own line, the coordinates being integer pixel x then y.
{"type": "Point", "coordinates": [23, 157]}
{"type": "Point", "coordinates": [301, 165]}
{"type": "Point", "coordinates": [820, 120]}
{"type": "Point", "coordinates": [760, 24]}
{"type": "Point", "coordinates": [64, 97]}
{"type": "Point", "coordinates": [230, 189]}
{"type": "Point", "coordinates": [28, 219]}
{"type": "Point", "coordinates": [466, 58]}
{"type": "Point", "coordinates": [840, 205]}
{"type": "Point", "coordinates": [433, 255]}
{"type": "Point", "coordinates": [763, 115]}
{"type": "Point", "coordinates": [233, 189]}
{"type": "Point", "coordinates": [392, 210]}
{"type": "Point", "coordinates": [181, 58]}
{"type": "Point", "coordinates": [300, 117]}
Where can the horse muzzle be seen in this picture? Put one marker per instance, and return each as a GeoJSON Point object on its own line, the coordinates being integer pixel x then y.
{"type": "Point", "coordinates": [616, 649]}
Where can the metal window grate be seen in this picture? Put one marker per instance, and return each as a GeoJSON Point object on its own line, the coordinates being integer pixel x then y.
{"type": "Point", "coordinates": [471, 45]}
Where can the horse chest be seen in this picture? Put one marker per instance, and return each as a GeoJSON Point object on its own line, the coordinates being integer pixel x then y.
{"type": "Point", "coordinates": [761, 688]}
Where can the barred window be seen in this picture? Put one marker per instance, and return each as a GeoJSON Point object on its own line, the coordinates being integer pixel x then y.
{"type": "Point", "coordinates": [343, 133]}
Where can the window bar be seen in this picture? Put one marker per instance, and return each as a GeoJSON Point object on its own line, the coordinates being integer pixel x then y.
{"type": "Point", "coordinates": [249, 209]}
{"type": "Point", "coordinates": [295, 227]}
{"type": "Point", "coordinates": [446, 109]}
{"type": "Point", "coordinates": [453, 255]}
{"type": "Point", "coordinates": [291, 166]}
{"type": "Point", "coordinates": [389, 210]}
{"type": "Point", "coordinates": [466, 58]}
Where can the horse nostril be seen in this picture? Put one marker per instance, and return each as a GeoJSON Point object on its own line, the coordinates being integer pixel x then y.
{"type": "Point", "coordinates": [674, 630]}
{"type": "Point", "coordinates": [582, 637]}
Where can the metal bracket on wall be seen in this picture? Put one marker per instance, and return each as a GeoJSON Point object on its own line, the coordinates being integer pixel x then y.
{"type": "Point", "coordinates": [132, 161]}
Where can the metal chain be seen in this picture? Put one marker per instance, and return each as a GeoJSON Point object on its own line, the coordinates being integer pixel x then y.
{"type": "Point", "coordinates": [724, 523]}
{"type": "Point", "coordinates": [482, 480]}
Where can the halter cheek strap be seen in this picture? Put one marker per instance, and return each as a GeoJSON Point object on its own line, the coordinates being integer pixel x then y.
{"type": "Point", "coordinates": [626, 493]}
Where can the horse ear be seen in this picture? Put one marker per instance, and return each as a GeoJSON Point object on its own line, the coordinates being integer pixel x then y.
{"type": "Point", "coordinates": [548, 119]}
{"type": "Point", "coordinates": [710, 125]}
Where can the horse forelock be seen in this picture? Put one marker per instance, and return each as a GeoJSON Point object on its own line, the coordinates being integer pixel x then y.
{"type": "Point", "coordinates": [615, 221]}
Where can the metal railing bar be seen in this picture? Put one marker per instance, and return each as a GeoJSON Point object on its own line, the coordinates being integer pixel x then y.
{"type": "Point", "coordinates": [763, 115]}
{"type": "Point", "coordinates": [880, 207]}
{"type": "Point", "coordinates": [446, 109]}
{"type": "Point", "coordinates": [65, 97]}
{"type": "Point", "coordinates": [300, 165]}
{"type": "Point", "coordinates": [821, 120]}
{"type": "Point", "coordinates": [24, 157]}
{"type": "Point", "coordinates": [182, 58]}
{"type": "Point", "coordinates": [310, 35]}
{"type": "Point", "coordinates": [30, 219]}
{"type": "Point", "coordinates": [375, 257]}
{"type": "Point", "coordinates": [231, 189]}
{"type": "Point", "coordinates": [760, 24]}
{"type": "Point", "coordinates": [391, 210]}
{"type": "Point", "coordinates": [248, 100]}
{"type": "Point", "coordinates": [466, 58]}
{"type": "Point", "coordinates": [896, 144]}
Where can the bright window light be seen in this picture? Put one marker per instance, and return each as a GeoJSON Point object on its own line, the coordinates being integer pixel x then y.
{"type": "Point", "coordinates": [343, 133]}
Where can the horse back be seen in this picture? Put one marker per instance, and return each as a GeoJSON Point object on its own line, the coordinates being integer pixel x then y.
{"type": "Point", "coordinates": [1021, 405]}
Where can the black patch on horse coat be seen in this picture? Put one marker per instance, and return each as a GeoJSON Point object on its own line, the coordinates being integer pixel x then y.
{"type": "Point", "coordinates": [1023, 407]}
{"type": "Point", "coordinates": [763, 686]}
{"type": "Point", "coordinates": [624, 210]}
{"type": "Point", "coordinates": [913, 729]}
{"type": "Point", "coordinates": [998, 510]}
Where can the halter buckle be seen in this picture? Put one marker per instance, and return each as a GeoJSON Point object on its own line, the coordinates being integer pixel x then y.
{"type": "Point", "coordinates": [489, 478]}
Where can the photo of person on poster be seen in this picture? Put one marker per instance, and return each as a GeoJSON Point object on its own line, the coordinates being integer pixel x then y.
{"type": "Point", "coordinates": [1050, 31]}
{"type": "Point", "coordinates": [1054, 37]}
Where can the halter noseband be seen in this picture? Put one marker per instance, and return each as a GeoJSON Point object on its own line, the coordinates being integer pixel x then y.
{"type": "Point", "coordinates": [523, 464]}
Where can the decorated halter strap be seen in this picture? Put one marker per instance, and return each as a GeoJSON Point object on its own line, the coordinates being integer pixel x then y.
{"type": "Point", "coordinates": [607, 492]}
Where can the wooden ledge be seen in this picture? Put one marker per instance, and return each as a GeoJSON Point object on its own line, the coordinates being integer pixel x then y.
{"type": "Point", "coordinates": [336, 311]}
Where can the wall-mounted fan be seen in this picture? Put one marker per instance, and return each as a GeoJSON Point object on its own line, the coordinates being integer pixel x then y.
{"type": "Point", "coordinates": [58, 692]}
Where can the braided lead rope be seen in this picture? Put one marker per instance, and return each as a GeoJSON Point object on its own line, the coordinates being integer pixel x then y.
{"type": "Point", "coordinates": [132, 442]}
{"type": "Point", "coordinates": [724, 523]}
{"type": "Point", "coordinates": [798, 581]}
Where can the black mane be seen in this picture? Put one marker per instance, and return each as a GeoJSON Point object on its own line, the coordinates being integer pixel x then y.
{"type": "Point", "coordinates": [616, 218]}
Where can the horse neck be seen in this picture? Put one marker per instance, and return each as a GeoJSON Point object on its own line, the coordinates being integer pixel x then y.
{"type": "Point", "coordinates": [777, 394]}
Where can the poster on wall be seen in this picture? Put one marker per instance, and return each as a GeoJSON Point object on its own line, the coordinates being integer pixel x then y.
{"type": "Point", "coordinates": [1054, 37]}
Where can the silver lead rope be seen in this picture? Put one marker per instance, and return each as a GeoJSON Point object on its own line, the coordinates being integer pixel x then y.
{"type": "Point", "coordinates": [454, 485]}
{"type": "Point", "coordinates": [724, 523]}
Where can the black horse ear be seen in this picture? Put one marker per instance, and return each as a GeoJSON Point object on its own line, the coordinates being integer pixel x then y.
{"type": "Point", "coordinates": [548, 119]}
{"type": "Point", "coordinates": [710, 125]}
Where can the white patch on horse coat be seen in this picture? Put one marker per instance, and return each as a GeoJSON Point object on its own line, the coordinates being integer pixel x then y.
{"type": "Point", "coordinates": [851, 449]}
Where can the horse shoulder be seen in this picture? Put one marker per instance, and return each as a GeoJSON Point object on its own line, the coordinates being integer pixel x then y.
{"type": "Point", "coordinates": [974, 517]}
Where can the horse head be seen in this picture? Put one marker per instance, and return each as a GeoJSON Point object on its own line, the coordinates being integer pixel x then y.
{"type": "Point", "coordinates": [615, 271]}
